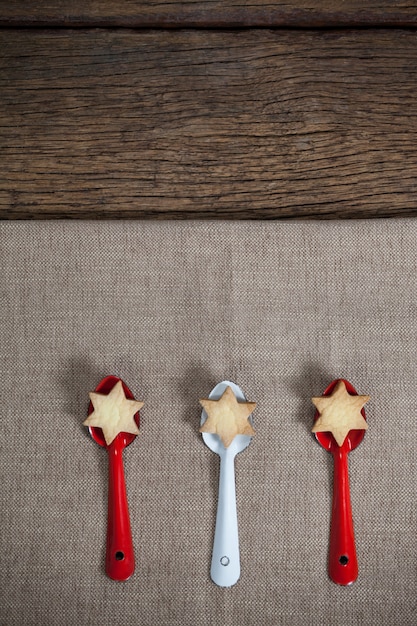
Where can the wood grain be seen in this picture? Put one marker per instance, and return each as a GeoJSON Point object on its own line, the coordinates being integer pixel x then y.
{"type": "Point", "coordinates": [218, 13]}
{"type": "Point", "coordinates": [189, 124]}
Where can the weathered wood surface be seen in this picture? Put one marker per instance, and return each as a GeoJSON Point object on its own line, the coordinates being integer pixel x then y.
{"type": "Point", "coordinates": [208, 13]}
{"type": "Point", "coordinates": [193, 124]}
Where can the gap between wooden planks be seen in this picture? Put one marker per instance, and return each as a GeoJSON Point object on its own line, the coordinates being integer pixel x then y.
{"type": "Point", "coordinates": [193, 124]}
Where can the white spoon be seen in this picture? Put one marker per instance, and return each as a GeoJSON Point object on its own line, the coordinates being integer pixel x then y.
{"type": "Point", "coordinates": [225, 561]}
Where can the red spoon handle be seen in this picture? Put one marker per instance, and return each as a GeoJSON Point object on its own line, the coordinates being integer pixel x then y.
{"type": "Point", "coordinates": [120, 558]}
{"type": "Point", "coordinates": [343, 564]}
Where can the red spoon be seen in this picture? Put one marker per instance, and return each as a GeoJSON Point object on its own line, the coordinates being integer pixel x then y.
{"type": "Point", "coordinates": [120, 558]}
{"type": "Point", "coordinates": [343, 563]}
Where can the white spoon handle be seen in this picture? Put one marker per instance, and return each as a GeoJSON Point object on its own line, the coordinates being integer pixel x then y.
{"type": "Point", "coordinates": [225, 562]}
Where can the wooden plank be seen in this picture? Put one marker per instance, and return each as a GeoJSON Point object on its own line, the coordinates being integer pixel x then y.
{"type": "Point", "coordinates": [192, 124]}
{"type": "Point", "coordinates": [217, 13]}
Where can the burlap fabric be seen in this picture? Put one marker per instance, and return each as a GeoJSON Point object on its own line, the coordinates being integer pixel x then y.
{"type": "Point", "coordinates": [174, 308]}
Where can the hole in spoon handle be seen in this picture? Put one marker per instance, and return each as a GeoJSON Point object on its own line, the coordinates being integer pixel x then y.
{"type": "Point", "coordinates": [343, 563]}
{"type": "Point", "coordinates": [120, 559]}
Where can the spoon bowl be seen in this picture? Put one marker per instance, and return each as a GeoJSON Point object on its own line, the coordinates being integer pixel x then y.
{"type": "Point", "coordinates": [123, 439]}
{"type": "Point", "coordinates": [213, 441]}
{"type": "Point", "coordinates": [353, 438]}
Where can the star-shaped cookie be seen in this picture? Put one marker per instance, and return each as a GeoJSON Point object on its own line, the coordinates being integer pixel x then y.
{"type": "Point", "coordinates": [113, 413]}
{"type": "Point", "coordinates": [227, 417]}
{"type": "Point", "coordinates": [339, 413]}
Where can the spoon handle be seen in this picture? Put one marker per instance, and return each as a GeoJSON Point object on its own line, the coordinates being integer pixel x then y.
{"type": "Point", "coordinates": [343, 564]}
{"type": "Point", "coordinates": [120, 558]}
{"type": "Point", "coordinates": [225, 562]}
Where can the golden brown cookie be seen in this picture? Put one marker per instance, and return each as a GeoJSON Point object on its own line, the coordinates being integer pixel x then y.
{"type": "Point", "coordinates": [113, 413]}
{"type": "Point", "coordinates": [339, 413]}
{"type": "Point", "coordinates": [227, 417]}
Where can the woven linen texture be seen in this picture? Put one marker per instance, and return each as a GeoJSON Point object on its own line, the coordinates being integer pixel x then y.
{"type": "Point", "coordinates": [174, 308]}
